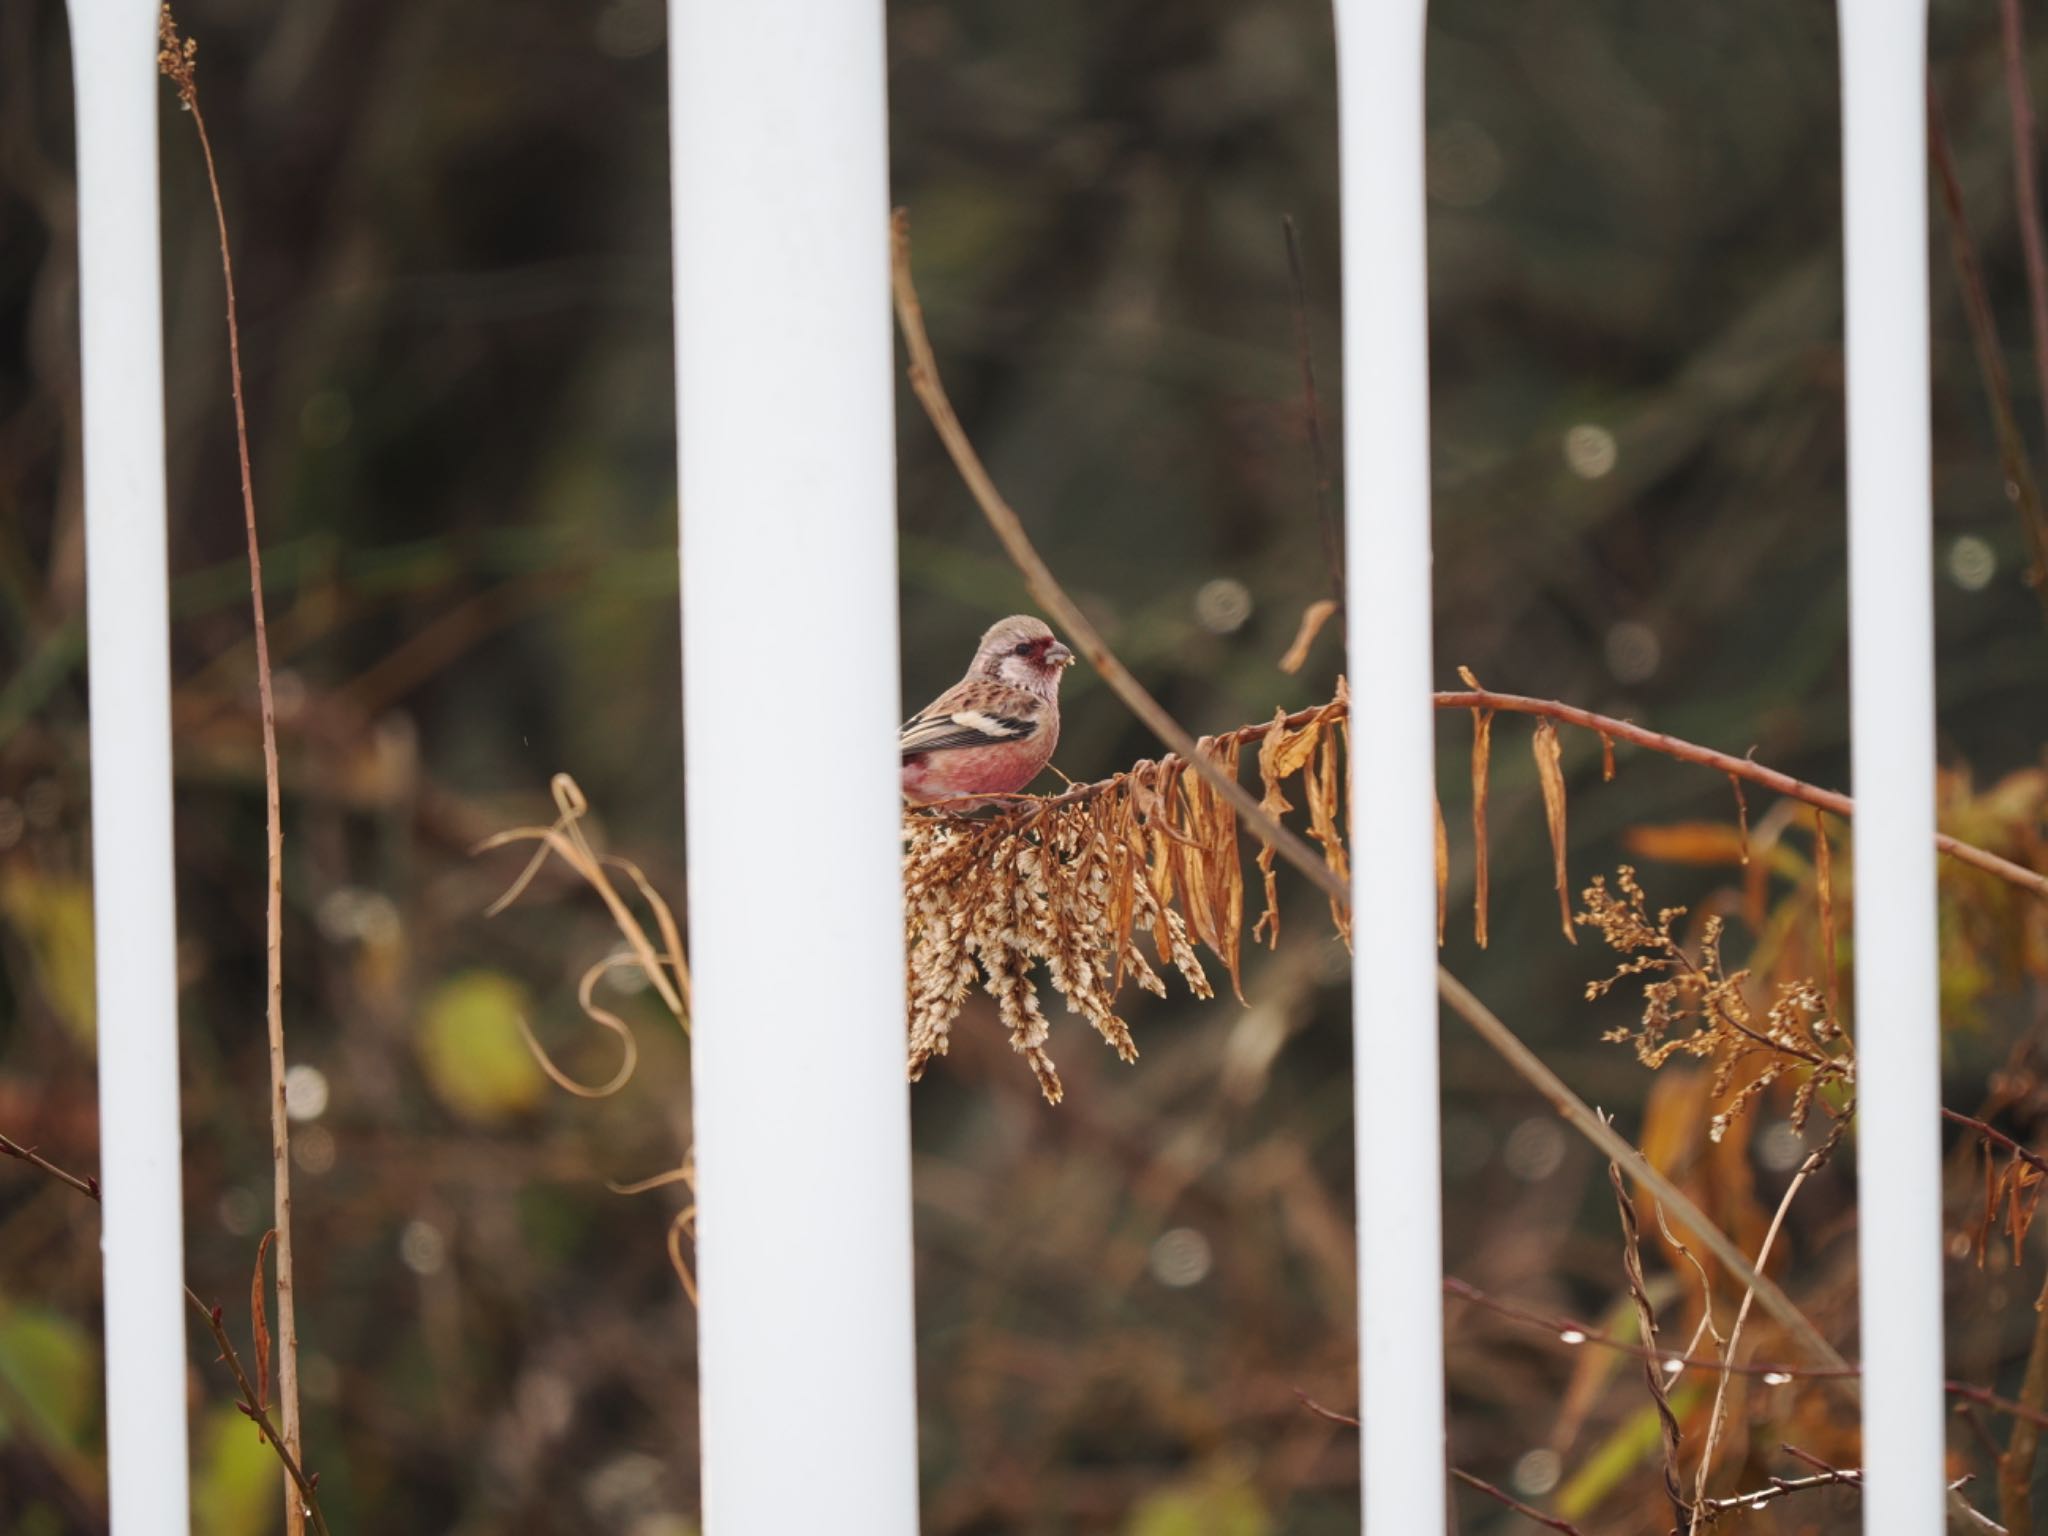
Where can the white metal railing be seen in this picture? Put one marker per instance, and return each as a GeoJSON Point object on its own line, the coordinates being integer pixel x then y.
{"type": "Point", "coordinates": [1891, 751]}
{"type": "Point", "coordinates": [784, 390]}
{"type": "Point", "coordinates": [1393, 740]}
{"type": "Point", "coordinates": [113, 51]}
{"type": "Point", "coordinates": [785, 384]}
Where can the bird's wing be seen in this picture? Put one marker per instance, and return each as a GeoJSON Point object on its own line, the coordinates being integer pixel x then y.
{"type": "Point", "coordinates": [973, 714]}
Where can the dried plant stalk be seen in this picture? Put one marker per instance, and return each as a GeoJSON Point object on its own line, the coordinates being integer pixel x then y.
{"type": "Point", "coordinates": [1646, 1321]}
{"type": "Point", "coordinates": [663, 965]}
{"type": "Point", "coordinates": [177, 61]}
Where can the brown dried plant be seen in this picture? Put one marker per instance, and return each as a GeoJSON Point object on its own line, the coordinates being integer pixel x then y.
{"type": "Point", "coordinates": [1070, 881]}
{"type": "Point", "coordinates": [662, 964]}
{"type": "Point", "coordinates": [1694, 1006]}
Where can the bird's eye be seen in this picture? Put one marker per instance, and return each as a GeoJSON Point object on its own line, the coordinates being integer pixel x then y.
{"type": "Point", "coordinates": [1023, 648]}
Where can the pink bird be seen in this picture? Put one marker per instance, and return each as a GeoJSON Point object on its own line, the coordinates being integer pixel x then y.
{"type": "Point", "coordinates": [991, 732]}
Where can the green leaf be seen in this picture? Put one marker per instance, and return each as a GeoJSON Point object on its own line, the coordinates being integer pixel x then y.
{"type": "Point", "coordinates": [471, 1049]}
{"type": "Point", "coordinates": [53, 916]}
{"type": "Point", "coordinates": [51, 1370]}
{"type": "Point", "coordinates": [238, 1488]}
{"type": "Point", "coordinates": [1219, 1503]}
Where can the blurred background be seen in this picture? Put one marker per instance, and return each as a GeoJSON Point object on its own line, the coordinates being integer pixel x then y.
{"type": "Point", "coordinates": [452, 233]}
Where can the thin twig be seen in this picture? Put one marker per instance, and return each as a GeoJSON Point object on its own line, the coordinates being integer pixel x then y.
{"type": "Point", "coordinates": [251, 1400]}
{"type": "Point", "coordinates": [1807, 1169]}
{"type": "Point", "coordinates": [177, 61]}
{"type": "Point", "coordinates": [308, 1485]}
{"type": "Point", "coordinates": [1501, 1496]}
{"type": "Point", "coordinates": [90, 1188]}
{"type": "Point", "coordinates": [2016, 1464]}
{"type": "Point", "coordinates": [1646, 1322]}
{"type": "Point", "coordinates": [1784, 1487]}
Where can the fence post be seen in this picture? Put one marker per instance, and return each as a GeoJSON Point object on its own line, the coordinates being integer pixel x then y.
{"type": "Point", "coordinates": [113, 51]}
{"type": "Point", "coordinates": [1891, 704]}
{"type": "Point", "coordinates": [1393, 764]}
{"type": "Point", "coordinates": [785, 384]}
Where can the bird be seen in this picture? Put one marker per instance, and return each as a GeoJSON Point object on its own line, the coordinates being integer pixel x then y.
{"type": "Point", "coordinates": [991, 732]}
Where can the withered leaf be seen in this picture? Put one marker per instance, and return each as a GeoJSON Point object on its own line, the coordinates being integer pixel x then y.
{"type": "Point", "coordinates": [1550, 772]}
{"type": "Point", "coordinates": [1686, 842]}
{"type": "Point", "coordinates": [259, 1321]}
{"type": "Point", "coordinates": [1313, 618]}
{"type": "Point", "coordinates": [1443, 871]}
{"type": "Point", "coordinates": [1482, 759]}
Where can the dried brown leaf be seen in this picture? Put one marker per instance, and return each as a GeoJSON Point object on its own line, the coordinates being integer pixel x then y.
{"type": "Point", "coordinates": [1482, 761]}
{"type": "Point", "coordinates": [1324, 784]}
{"type": "Point", "coordinates": [259, 1321]}
{"type": "Point", "coordinates": [1443, 871]}
{"type": "Point", "coordinates": [1550, 772]}
{"type": "Point", "coordinates": [1313, 618]}
{"type": "Point", "coordinates": [1686, 842]}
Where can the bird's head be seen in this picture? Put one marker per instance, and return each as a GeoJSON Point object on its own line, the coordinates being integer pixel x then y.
{"type": "Point", "coordinates": [1022, 652]}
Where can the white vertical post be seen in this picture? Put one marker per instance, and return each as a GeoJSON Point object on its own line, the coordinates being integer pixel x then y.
{"type": "Point", "coordinates": [113, 50]}
{"type": "Point", "coordinates": [1387, 578]}
{"type": "Point", "coordinates": [785, 384]}
{"type": "Point", "coordinates": [1891, 703]}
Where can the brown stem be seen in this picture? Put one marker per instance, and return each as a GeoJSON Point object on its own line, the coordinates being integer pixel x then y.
{"type": "Point", "coordinates": [2016, 1465]}
{"type": "Point", "coordinates": [1500, 1496]}
{"type": "Point", "coordinates": [1784, 1487]}
{"type": "Point", "coordinates": [250, 1401]}
{"type": "Point", "coordinates": [177, 62]}
{"type": "Point", "coordinates": [1814, 1159]}
{"type": "Point", "coordinates": [1646, 1322]}
{"type": "Point", "coordinates": [308, 1501]}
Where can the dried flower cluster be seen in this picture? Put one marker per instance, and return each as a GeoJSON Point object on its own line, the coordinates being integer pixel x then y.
{"type": "Point", "coordinates": [1069, 882]}
{"type": "Point", "coordinates": [1694, 1006]}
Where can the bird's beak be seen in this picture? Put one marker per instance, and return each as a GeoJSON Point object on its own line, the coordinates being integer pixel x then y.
{"type": "Point", "coordinates": [1059, 655]}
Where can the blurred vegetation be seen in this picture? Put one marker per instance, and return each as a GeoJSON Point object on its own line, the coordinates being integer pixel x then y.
{"type": "Point", "coordinates": [452, 240]}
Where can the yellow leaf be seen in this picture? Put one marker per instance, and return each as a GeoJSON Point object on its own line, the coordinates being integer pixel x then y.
{"type": "Point", "coordinates": [472, 1050]}
{"type": "Point", "coordinates": [53, 916]}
